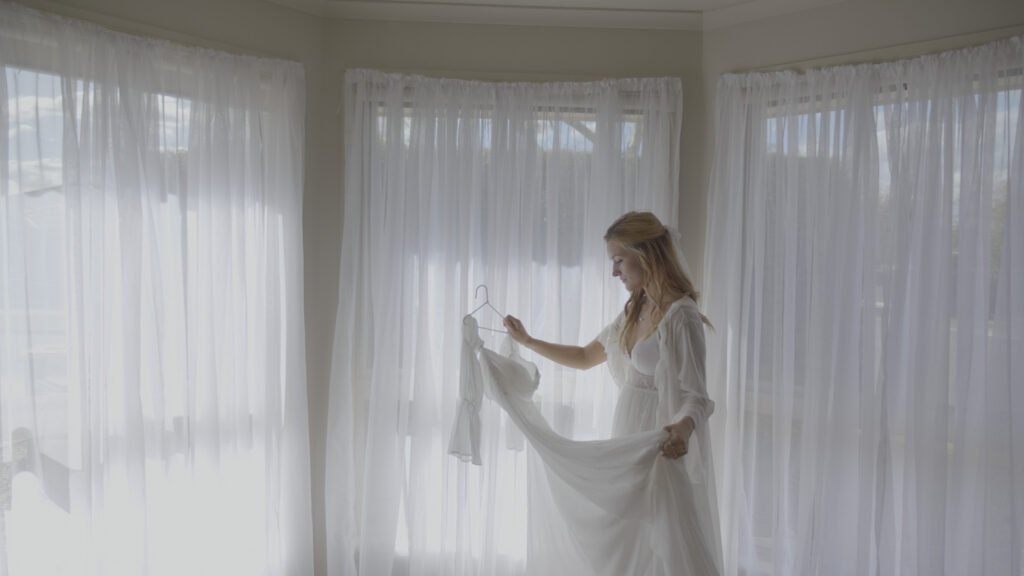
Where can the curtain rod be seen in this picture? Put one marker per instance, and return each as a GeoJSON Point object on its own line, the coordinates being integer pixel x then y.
{"type": "Point", "coordinates": [499, 75]}
{"type": "Point", "coordinates": [132, 27]}
{"type": "Point", "coordinates": [900, 51]}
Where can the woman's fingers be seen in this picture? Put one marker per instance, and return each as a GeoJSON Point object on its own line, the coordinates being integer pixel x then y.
{"type": "Point", "coordinates": [672, 451]}
{"type": "Point", "coordinates": [515, 328]}
{"type": "Point", "coordinates": [674, 447]}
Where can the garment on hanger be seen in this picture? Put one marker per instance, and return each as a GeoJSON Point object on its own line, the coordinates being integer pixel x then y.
{"type": "Point", "coordinates": [603, 507]}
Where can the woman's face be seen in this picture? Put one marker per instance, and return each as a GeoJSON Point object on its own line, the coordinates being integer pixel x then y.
{"type": "Point", "coordinates": [626, 266]}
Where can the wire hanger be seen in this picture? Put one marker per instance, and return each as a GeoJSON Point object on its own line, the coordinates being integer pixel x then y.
{"type": "Point", "coordinates": [487, 303]}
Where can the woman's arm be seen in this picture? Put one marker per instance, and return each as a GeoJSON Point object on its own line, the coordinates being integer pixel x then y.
{"type": "Point", "coordinates": [695, 404]}
{"type": "Point", "coordinates": [581, 357]}
{"type": "Point", "coordinates": [687, 390]}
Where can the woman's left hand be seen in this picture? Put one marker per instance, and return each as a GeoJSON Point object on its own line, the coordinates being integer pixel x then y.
{"type": "Point", "coordinates": [678, 438]}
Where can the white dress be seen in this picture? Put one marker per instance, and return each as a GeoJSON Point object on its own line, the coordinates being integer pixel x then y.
{"type": "Point", "coordinates": [637, 406]}
{"type": "Point", "coordinates": [610, 507]}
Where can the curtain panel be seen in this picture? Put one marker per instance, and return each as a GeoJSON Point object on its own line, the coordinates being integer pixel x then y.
{"type": "Point", "coordinates": [153, 415]}
{"type": "Point", "coordinates": [450, 184]}
{"type": "Point", "coordinates": [865, 269]}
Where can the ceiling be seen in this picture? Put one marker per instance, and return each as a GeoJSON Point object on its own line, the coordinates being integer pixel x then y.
{"type": "Point", "coordinates": [643, 14]}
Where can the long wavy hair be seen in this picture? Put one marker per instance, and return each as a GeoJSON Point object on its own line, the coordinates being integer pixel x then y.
{"type": "Point", "coordinates": [644, 235]}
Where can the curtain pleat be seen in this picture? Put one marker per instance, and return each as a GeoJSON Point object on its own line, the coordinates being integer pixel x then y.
{"type": "Point", "coordinates": [448, 185]}
{"type": "Point", "coordinates": [863, 252]}
{"type": "Point", "coordinates": [153, 414]}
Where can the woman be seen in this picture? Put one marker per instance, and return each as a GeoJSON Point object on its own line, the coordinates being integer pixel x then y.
{"type": "Point", "coordinates": [658, 339]}
{"type": "Point", "coordinates": [614, 507]}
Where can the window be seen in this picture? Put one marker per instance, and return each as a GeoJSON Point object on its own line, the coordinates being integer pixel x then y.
{"type": "Point", "coordinates": [861, 282]}
{"type": "Point", "coordinates": [453, 184]}
{"type": "Point", "coordinates": [152, 377]}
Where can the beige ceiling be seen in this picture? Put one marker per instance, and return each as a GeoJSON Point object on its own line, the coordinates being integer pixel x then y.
{"type": "Point", "coordinates": [652, 14]}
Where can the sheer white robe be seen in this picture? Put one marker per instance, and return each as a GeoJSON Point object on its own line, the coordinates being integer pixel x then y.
{"type": "Point", "coordinates": [608, 507]}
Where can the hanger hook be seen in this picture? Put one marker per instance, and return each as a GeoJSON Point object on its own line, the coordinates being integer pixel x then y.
{"type": "Point", "coordinates": [476, 293]}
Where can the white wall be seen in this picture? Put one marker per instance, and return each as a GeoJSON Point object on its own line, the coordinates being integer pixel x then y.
{"type": "Point", "coordinates": [845, 32]}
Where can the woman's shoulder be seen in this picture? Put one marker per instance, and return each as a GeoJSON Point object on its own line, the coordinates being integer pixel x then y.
{"type": "Point", "coordinates": [682, 311]}
{"type": "Point", "coordinates": [610, 333]}
{"type": "Point", "coordinates": [619, 319]}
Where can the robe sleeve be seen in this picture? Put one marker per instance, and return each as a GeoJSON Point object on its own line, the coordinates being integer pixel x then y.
{"type": "Point", "coordinates": [464, 442]}
{"type": "Point", "coordinates": [683, 349]}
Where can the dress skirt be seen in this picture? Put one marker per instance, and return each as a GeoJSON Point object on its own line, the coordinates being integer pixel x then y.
{"type": "Point", "coordinates": [635, 411]}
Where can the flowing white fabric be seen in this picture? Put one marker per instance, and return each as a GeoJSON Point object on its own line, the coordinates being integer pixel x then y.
{"type": "Point", "coordinates": [611, 507]}
{"type": "Point", "coordinates": [449, 184]}
{"type": "Point", "coordinates": [865, 273]}
{"type": "Point", "coordinates": [153, 414]}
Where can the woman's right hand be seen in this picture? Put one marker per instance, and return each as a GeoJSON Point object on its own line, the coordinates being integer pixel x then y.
{"type": "Point", "coordinates": [572, 356]}
{"type": "Point", "coordinates": [516, 330]}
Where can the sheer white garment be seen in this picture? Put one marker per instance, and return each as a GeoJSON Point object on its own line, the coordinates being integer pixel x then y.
{"type": "Point", "coordinates": [609, 507]}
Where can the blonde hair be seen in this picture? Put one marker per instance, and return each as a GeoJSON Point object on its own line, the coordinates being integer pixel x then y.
{"type": "Point", "coordinates": [644, 235]}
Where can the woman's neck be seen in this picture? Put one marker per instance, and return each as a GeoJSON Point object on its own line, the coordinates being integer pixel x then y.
{"type": "Point", "coordinates": [660, 301]}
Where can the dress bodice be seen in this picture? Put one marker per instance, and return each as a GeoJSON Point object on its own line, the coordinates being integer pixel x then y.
{"type": "Point", "coordinates": [642, 363]}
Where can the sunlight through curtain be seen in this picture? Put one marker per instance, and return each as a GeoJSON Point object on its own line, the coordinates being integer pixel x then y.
{"type": "Point", "coordinates": [865, 272]}
{"type": "Point", "coordinates": [153, 415]}
{"type": "Point", "coordinates": [450, 184]}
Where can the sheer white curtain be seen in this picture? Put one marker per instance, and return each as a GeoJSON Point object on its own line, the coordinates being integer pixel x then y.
{"type": "Point", "coordinates": [450, 184]}
{"type": "Point", "coordinates": [153, 415]}
{"type": "Point", "coordinates": [865, 272]}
